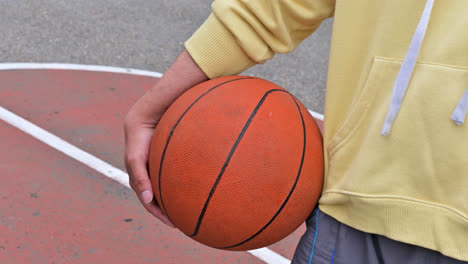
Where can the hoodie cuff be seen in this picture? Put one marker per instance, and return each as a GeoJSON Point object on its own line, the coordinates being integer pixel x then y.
{"type": "Point", "coordinates": [215, 50]}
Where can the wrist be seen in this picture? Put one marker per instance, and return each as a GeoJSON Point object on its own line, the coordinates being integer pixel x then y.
{"type": "Point", "coordinates": [181, 76]}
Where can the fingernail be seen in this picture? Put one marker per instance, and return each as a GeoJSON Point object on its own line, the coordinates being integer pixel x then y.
{"type": "Point", "coordinates": [147, 196]}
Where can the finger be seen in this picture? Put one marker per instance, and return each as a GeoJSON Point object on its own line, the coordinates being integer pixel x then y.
{"type": "Point", "coordinates": [142, 187]}
{"type": "Point", "coordinates": [136, 158]}
{"type": "Point", "coordinates": [141, 184]}
{"type": "Point", "coordinates": [139, 180]}
{"type": "Point", "coordinates": [137, 141]}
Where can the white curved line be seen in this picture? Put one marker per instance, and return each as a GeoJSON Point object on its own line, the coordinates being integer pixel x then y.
{"type": "Point", "coordinates": [316, 115]}
{"type": "Point", "coordinates": [98, 68]}
{"type": "Point", "coordinates": [265, 254]}
{"type": "Point", "coordinates": [80, 67]}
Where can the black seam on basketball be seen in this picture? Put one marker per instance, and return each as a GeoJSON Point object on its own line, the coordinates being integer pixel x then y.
{"type": "Point", "coordinates": [292, 189]}
{"type": "Point", "coordinates": [218, 179]}
{"type": "Point", "coordinates": [233, 149]}
{"type": "Point", "coordinates": [175, 126]}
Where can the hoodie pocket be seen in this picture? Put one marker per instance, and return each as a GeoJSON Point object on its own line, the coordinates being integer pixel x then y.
{"type": "Point", "coordinates": [426, 154]}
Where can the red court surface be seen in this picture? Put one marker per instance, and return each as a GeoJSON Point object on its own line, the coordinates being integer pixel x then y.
{"type": "Point", "coordinates": [56, 209]}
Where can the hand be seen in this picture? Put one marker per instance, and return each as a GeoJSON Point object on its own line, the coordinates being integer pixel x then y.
{"type": "Point", "coordinates": [141, 122]}
{"type": "Point", "coordinates": [138, 134]}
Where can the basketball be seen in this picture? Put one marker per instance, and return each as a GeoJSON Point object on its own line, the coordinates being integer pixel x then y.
{"type": "Point", "coordinates": [236, 163]}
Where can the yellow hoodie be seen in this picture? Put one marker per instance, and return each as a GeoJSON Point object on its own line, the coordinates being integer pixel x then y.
{"type": "Point", "coordinates": [395, 145]}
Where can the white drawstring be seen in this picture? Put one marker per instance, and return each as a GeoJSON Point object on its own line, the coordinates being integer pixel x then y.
{"type": "Point", "coordinates": [406, 70]}
{"type": "Point", "coordinates": [459, 114]}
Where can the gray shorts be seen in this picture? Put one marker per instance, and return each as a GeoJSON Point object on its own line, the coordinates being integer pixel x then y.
{"type": "Point", "coordinates": [328, 241]}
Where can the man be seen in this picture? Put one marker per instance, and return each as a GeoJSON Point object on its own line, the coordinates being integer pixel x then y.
{"type": "Point", "coordinates": [395, 146]}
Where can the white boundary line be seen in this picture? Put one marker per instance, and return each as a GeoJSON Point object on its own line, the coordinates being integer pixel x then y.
{"type": "Point", "coordinates": [65, 147]}
{"type": "Point", "coordinates": [269, 256]}
{"type": "Point", "coordinates": [265, 254]}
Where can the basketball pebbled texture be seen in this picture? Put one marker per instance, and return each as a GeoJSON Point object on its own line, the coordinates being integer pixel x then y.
{"type": "Point", "coordinates": [237, 163]}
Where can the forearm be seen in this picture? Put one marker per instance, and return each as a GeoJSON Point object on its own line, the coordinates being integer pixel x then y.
{"type": "Point", "coordinates": [183, 74]}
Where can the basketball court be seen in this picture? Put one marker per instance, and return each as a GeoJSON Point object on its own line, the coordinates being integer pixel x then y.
{"type": "Point", "coordinates": [64, 193]}
{"type": "Point", "coordinates": [64, 190]}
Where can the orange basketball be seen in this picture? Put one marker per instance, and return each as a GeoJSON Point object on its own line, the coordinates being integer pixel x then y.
{"type": "Point", "coordinates": [236, 163]}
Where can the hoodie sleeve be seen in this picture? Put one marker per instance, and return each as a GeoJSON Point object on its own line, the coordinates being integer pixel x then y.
{"type": "Point", "coordinates": [241, 33]}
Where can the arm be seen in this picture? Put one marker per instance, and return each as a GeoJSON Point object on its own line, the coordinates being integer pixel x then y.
{"type": "Point", "coordinates": [241, 33]}
{"type": "Point", "coordinates": [237, 35]}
